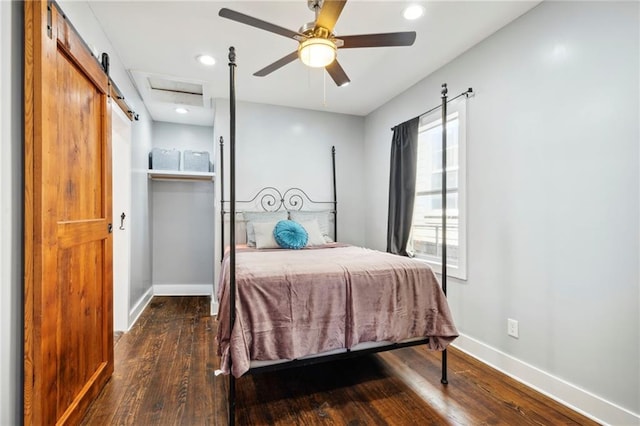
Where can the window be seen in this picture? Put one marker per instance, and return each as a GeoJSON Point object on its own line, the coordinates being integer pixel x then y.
{"type": "Point", "coordinates": [425, 241]}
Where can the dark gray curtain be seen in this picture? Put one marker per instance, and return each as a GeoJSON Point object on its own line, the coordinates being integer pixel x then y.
{"type": "Point", "coordinates": [402, 185]}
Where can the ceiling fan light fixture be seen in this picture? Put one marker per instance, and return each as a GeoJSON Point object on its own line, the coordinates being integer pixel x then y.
{"type": "Point", "coordinates": [317, 52]}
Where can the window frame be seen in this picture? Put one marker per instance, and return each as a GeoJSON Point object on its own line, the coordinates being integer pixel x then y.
{"type": "Point", "coordinates": [458, 106]}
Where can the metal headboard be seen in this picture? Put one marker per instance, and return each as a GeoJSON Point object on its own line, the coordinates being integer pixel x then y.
{"type": "Point", "coordinates": [271, 199]}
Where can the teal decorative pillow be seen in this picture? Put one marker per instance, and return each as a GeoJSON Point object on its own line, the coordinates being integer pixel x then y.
{"type": "Point", "coordinates": [324, 217]}
{"type": "Point", "coordinates": [290, 235]}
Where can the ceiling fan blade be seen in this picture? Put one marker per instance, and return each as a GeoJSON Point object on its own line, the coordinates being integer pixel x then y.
{"type": "Point", "coordinates": [337, 73]}
{"type": "Point", "coordinates": [379, 40]}
{"type": "Point", "coordinates": [277, 64]}
{"type": "Point", "coordinates": [258, 23]}
{"type": "Point", "coordinates": [329, 14]}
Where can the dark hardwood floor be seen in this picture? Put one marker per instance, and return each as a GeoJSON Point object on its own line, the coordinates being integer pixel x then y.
{"type": "Point", "coordinates": [164, 375]}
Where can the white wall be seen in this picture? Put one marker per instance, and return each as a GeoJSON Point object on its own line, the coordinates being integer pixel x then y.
{"type": "Point", "coordinates": [83, 19]}
{"type": "Point", "coordinates": [182, 217]}
{"type": "Point", "coordinates": [11, 201]}
{"type": "Point", "coordinates": [553, 195]}
{"type": "Point", "coordinates": [289, 147]}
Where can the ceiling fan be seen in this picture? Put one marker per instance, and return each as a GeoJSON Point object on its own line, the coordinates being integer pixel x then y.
{"type": "Point", "coordinates": [318, 44]}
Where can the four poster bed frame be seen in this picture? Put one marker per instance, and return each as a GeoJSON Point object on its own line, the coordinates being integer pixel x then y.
{"type": "Point", "coordinates": [271, 200]}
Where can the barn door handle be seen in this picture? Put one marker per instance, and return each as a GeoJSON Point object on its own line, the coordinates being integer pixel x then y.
{"type": "Point", "coordinates": [122, 216]}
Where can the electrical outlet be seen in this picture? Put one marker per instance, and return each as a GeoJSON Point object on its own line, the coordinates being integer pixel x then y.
{"type": "Point", "coordinates": [512, 328]}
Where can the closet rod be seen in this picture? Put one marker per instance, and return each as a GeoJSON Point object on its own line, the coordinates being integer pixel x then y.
{"type": "Point", "coordinates": [468, 93]}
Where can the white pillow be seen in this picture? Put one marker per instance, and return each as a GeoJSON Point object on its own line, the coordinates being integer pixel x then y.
{"type": "Point", "coordinates": [323, 217]}
{"type": "Point", "coordinates": [252, 218]}
{"type": "Point", "coordinates": [313, 231]}
{"type": "Point", "coordinates": [264, 235]}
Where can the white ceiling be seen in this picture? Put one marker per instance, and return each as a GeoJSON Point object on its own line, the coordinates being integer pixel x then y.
{"type": "Point", "coordinates": [164, 37]}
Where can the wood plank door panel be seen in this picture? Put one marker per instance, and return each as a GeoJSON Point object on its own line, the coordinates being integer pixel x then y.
{"type": "Point", "coordinates": [68, 241]}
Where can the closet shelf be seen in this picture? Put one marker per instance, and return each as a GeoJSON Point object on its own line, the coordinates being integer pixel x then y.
{"type": "Point", "coordinates": [179, 175]}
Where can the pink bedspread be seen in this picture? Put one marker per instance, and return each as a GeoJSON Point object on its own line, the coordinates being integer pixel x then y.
{"type": "Point", "coordinates": [293, 303]}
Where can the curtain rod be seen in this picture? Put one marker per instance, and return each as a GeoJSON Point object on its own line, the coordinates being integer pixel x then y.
{"type": "Point", "coordinates": [468, 93]}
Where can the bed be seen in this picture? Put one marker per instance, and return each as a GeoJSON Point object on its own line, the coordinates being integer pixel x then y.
{"type": "Point", "coordinates": [326, 300]}
{"type": "Point", "coordinates": [281, 308]}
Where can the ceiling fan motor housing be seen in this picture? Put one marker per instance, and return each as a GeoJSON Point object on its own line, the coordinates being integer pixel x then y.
{"type": "Point", "coordinates": [307, 29]}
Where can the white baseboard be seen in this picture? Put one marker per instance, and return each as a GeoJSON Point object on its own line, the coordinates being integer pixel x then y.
{"type": "Point", "coordinates": [171, 290]}
{"type": "Point", "coordinates": [187, 290]}
{"type": "Point", "coordinates": [137, 310]}
{"type": "Point", "coordinates": [577, 399]}
{"type": "Point", "coordinates": [182, 289]}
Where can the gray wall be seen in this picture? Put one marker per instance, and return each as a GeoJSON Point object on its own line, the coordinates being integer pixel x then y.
{"type": "Point", "coordinates": [285, 147]}
{"type": "Point", "coordinates": [182, 214]}
{"type": "Point", "coordinates": [11, 201]}
{"type": "Point", "coordinates": [83, 19]}
{"type": "Point", "coordinates": [553, 191]}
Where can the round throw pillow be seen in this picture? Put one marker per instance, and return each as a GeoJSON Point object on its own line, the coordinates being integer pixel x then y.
{"type": "Point", "coordinates": [290, 234]}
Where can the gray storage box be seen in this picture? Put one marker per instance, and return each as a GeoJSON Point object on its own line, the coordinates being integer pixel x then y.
{"type": "Point", "coordinates": [196, 161]}
{"type": "Point", "coordinates": [165, 159]}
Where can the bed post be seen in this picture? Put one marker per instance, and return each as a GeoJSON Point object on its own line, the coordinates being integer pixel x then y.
{"type": "Point", "coordinates": [222, 212]}
{"type": "Point", "coordinates": [232, 223]}
{"type": "Point", "coordinates": [335, 195]}
{"type": "Point", "coordinates": [444, 380]}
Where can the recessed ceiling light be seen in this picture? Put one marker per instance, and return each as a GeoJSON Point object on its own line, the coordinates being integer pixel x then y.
{"type": "Point", "coordinates": [413, 11]}
{"type": "Point", "coordinates": [181, 110]}
{"type": "Point", "coordinates": [206, 59]}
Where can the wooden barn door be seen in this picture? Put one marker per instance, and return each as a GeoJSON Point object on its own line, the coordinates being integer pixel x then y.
{"type": "Point", "coordinates": [68, 216]}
